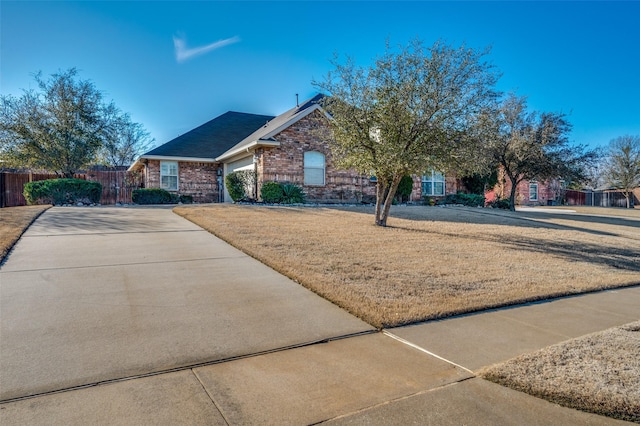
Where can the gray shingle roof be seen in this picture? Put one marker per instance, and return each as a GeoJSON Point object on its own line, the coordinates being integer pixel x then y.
{"type": "Point", "coordinates": [213, 137]}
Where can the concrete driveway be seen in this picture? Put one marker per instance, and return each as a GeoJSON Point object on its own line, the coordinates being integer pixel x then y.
{"type": "Point", "coordinates": [95, 294]}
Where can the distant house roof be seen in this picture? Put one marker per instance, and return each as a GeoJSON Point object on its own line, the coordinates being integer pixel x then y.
{"type": "Point", "coordinates": [264, 135]}
{"type": "Point", "coordinates": [212, 138]}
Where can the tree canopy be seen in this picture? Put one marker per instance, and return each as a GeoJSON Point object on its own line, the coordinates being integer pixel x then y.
{"type": "Point", "coordinates": [621, 167]}
{"type": "Point", "coordinates": [529, 145]}
{"type": "Point", "coordinates": [65, 126]}
{"type": "Point", "coordinates": [411, 110]}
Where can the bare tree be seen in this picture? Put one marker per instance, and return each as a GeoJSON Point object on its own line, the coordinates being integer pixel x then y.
{"type": "Point", "coordinates": [410, 111]}
{"type": "Point", "coordinates": [124, 141]}
{"type": "Point", "coordinates": [621, 167]}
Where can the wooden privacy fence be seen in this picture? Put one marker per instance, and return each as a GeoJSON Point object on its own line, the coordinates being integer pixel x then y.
{"type": "Point", "coordinates": [117, 185]}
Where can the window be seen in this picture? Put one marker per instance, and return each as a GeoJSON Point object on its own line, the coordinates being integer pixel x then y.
{"type": "Point", "coordinates": [533, 192]}
{"type": "Point", "coordinates": [433, 183]}
{"type": "Point", "coordinates": [169, 175]}
{"type": "Point", "coordinates": [313, 168]}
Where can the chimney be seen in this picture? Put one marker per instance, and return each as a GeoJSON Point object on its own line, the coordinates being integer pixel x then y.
{"type": "Point", "coordinates": [297, 104]}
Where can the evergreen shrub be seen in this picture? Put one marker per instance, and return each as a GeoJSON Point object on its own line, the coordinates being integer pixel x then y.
{"type": "Point", "coordinates": [153, 196]}
{"type": "Point", "coordinates": [471, 200]}
{"type": "Point", "coordinates": [271, 192]}
{"type": "Point", "coordinates": [62, 191]}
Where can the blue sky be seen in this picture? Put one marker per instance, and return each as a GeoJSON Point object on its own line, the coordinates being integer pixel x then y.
{"type": "Point", "coordinates": [579, 58]}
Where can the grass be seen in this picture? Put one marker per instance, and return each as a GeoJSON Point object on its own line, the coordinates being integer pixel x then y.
{"type": "Point", "coordinates": [598, 373]}
{"type": "Point", "coordinates": [13, 222]}
{"type": "Point", "coordinates": [431, 262]}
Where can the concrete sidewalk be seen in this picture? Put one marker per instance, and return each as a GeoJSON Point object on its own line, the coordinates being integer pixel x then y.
{"type": "Point", "coordinates": [155, 313]}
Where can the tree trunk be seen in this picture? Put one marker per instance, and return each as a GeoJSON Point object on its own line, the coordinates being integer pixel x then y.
{"type": "Point", "coordinates": [380, 191]}
{"type": "Point", "coordinates": [382, 214]}
{"type": "Point", "coordinates": [512, 194]}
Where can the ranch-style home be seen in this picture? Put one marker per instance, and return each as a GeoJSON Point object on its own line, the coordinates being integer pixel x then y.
{"type": "Point", "coordinates": [291, 147]}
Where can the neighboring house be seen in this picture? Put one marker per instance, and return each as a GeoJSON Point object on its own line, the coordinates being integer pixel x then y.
{"type": "Point", "coordinates": [528, 193]}
{"type": "Point", "coordinates": [292, 147]}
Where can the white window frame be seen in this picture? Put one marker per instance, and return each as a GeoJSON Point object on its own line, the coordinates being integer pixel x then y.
{"type": "Point", "coordinates": [314, 167]}
{"type": "Point", "coordinates": [433, 177]}
{"type": "Point", "coordinates": [165, 171]}
{"type": "Point", "coordinates": [533, 186]}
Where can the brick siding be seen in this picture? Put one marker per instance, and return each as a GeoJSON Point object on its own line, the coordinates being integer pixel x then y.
{"type": "Point", "coordinates": [200, 180]}
{"type": "Point", "coordinates": [285, 163]}
{"type": "Point", "coordinates": [547, 191]}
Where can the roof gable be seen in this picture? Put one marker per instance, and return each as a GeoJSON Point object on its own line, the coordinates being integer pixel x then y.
{"type": "Point", "coordinates": [266, 132]}
{"type": "Point", "coordinates": [213, 137]}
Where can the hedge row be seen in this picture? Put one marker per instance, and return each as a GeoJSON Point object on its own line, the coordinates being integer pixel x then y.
{"type": "Point", "coordinates": [62, 191]}
{"type": "Point", "coordinates": [158, 196]}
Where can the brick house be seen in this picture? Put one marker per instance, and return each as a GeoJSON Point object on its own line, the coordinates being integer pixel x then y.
{"type": "Point", "coordinates": [292, 147]}
{"type": "Point", "coordinates": [528, 193]}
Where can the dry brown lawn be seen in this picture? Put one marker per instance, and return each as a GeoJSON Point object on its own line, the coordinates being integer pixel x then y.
{"type": "Point", "coordinates": [431, 262]}
{"type": "Point", "coordinates": [584, 373]}
{"type": "Point", "coordinates": [13, 222]}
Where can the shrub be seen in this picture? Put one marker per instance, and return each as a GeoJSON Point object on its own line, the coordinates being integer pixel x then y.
{"type": "Point", "coordinates": [471, 200]}
{"type": "Point", "coordinates": [153, 196]}
{"type": "Point", "coordinates": [477, 183]}
{"type": "Point", "coordinates": [500, 203]}
{"type": "Point", "coordinates": [429, 201]}
{"type": "Point", "coordinates": [271, 192]}
{"type": "Point", "coordinates": [292, 194]}
{"type": "Point", "coordinates": [185, 199]}
{"type": "Point", "coordinates": [238, 183]}
{"type": "Point", "coordinates": [235, 186]}
{"type": "Point", "coordinates": [62, 191]}
{"type": "Point", "coordinates": [404, 188]}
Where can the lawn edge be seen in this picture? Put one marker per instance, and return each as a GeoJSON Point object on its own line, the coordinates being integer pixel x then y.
{"type": "Point", "coordinates": [4, 256]}
{"type": "Point", "coordinates": [496, 374]}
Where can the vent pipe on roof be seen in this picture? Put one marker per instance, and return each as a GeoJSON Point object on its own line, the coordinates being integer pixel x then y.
{"type": "Point", "coordinates": [297, 104]}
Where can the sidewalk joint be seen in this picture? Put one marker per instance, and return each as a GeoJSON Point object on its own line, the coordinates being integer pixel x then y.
{"type": "Point", "coordinates": [193, 371]}
{"type": "Point", "coordinates": [421, 349]}
{"type": "Point", "coordinates": [188, 367]}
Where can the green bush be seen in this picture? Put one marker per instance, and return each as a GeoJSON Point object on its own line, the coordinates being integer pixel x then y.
{"type": "Point", "coordinates": [404, 188]}
{"type": "Point", "coordinates": [477, 183]}
{"type": "Point", "coordinates": [471, 200]}
{"type": "Point", "coordinates": [500, 203]}
{"type": "Point", "coordinates": [271, 192]}
{"type": "Point", "coordinates": [185, 199]}
{"type": "Point", "coordinates": [238, 182]}
{"type": "Point", "coordinates": [62, 191]}
{"type": "Point", "coordinates": [429, 201]}
{"type": "Point", "coordinates": [292, 194]}
{"type": "Point", "coordinates": [153, 196]}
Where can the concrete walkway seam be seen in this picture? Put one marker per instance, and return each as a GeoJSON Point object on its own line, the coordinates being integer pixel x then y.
{"type": "Point", "coordinates": [213, 401]}
{"type": "Point", "coordinates": [421, 349]}
{"type": "Point", "coordinates": [163, 262]}
{"type": "Point", "coordinates": [391, 401]}
{"type": "Point", "coordinates": [188, 367]}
